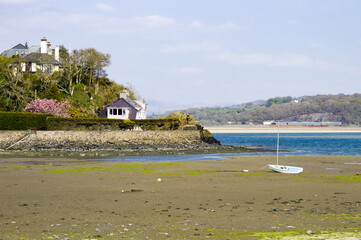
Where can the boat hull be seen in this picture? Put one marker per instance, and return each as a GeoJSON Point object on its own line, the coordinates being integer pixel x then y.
{"type": "Point", "coordinates": [285, 169]}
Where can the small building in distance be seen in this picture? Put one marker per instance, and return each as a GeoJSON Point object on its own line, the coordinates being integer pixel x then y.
{"type": "Point", "coordinates": [300, 124]}
{"type": "Point", "coordinates": [124, 107]}
{"type": "Point", "coordinates": [41, 57]}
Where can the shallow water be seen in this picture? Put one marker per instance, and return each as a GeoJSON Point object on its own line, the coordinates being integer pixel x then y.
{"type": "Point", "coordinates": [347, 144]}
{"type": "Point", "coordinates": [302, 143]}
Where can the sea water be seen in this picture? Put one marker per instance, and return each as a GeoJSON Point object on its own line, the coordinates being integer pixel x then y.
{"type": "Point", "coordinates": [348, 144]}
{"type": "Point", "coordinates": [298, 143]}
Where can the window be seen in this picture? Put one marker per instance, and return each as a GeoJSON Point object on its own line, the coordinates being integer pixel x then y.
{"type": "Point", "coordinates": [117, 111]}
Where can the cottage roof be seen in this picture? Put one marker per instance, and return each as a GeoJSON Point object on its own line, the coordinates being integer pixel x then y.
{"type": "Point", "coordinates": [128, 100]}
{"type": "Point", "coordinates": [40, 58]}
{"type": "Point", "coordinates": [19, 46]}
{"type": "Point", "coordinates": [132, 102]}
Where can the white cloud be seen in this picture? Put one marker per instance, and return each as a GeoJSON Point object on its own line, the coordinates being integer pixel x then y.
{"type": "Point", "coordinates": [191, 70]}
{"type": "Point", "coordinates": [191, 47]}
{"type": "Point", "coordinates": [316, 45]}
{"type": "Point", "coordinates": [196, 24]}
{"type": "Point", "coordinates": [285, 60]}
{"type": "Point", "coordinates": [105, 7]}
{"type": "Point", "coordinates": [227, 26]}
{"type": "Point", "coordinates": [183, 71]}
{"type": "Point", "coordinates": [78, 19]}
{"type": "Point", "coordinates": [153, 21]}
{"type": "Point", "coordinates": [15, 2]}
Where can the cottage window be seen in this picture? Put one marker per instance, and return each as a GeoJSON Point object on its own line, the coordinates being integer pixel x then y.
{"type": "Point", "coordinates": [117, 111]}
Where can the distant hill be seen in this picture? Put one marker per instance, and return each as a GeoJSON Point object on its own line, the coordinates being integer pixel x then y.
{"type": "Point", "coordinates": [336, 108]}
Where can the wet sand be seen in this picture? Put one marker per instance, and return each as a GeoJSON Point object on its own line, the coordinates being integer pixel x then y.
{"type": "Point", "coordinates": [79, 199]}
{"type": "Point", "coordinates": [269, 129]}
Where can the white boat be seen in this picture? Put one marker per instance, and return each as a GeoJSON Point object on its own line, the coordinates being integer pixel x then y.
{"type": "Point", "coordinates": [283, 168]}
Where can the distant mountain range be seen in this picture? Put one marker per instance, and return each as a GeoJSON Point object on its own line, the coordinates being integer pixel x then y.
{"type": "Point", "coordinates": [334, 108]}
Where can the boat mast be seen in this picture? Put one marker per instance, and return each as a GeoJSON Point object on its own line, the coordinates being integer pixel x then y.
{"type": "Point", "coordinates": [278, 138]}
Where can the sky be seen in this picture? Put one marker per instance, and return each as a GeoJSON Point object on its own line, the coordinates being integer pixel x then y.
{"type": "Point", "coordinates": [190, 53]}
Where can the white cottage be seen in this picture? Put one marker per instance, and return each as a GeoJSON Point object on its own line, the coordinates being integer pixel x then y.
{"type": "Point", "coordinates": [124, 107]}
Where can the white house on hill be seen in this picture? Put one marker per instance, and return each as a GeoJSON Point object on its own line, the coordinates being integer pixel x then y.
{"type": "Point", "coordinates": [41, 57]}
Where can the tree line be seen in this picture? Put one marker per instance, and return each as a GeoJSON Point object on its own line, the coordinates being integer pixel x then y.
{"type": "Point", "coordinates": [336, 108]}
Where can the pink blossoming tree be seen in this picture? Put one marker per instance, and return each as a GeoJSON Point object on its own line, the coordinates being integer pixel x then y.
{"type": "Point", "coordinates": [51, 106]}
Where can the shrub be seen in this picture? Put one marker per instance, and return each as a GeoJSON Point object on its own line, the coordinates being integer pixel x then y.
{"type": "Point", "coordinates": [185, 118]}
{"type": "Point", "coordinates": [51, 106]}
{"type": "Point", "coordinates": [22, 121]}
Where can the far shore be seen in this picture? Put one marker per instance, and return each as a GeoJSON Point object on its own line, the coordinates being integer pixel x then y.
{"type": "Point", "coordinates": [269, 129]}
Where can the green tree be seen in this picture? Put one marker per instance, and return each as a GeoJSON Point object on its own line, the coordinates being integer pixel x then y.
{"type": "Point", "coordinates": [53, 93]}
{"type": "Point", "coordinates": [13, 95]}
{"type": "Point", "coordinates": [186, 118]}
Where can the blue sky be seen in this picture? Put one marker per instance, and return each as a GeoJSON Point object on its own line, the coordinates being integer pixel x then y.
{"type": "Point", "coordinates": [204, 53]}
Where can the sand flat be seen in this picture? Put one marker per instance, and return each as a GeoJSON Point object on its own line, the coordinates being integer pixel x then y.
{"type": "Point", "coordinates": [268, 129]}
{"type": "Point", "coordinates": [77, 199]}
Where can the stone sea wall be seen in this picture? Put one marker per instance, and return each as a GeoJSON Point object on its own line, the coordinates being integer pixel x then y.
{"type": "Point", "coordinates": [98, 139]}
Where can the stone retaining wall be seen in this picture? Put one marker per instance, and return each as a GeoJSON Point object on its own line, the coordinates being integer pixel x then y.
{"type": "Point", "coordinates": [59, 139]}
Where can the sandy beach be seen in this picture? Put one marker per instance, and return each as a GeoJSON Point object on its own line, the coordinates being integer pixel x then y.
{"type": "Point", "coordinates": [83, 199]}
{"type": "Point", "coordinates": [269, 129]}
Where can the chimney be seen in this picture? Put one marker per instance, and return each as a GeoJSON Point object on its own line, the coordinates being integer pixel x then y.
{"type": "Point", "coordinates": [48, 45]}
{"type": "Point", "coordinates": [124, 94]}
{"type": "Point", "coordinates": [43, 45]}
{"type": "Point", "coordinates": [56, 54]}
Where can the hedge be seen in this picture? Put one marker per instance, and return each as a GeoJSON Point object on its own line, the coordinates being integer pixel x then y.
{"type": "Point", "coordinates": [23, 121]}
{"type": "Point", "coordinates": [158, 124]}
{"type": "Point", "coordinates": [43, 121]}
{"type": "Point", "coordinates": [56, 123]}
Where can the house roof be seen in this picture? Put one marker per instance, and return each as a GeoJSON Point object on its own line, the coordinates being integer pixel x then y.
{"type": "Point", "coordinates": [124, 102]}
{"type": "Point", "coordinates": [40, 58]}
{"type": "Point", "coordinates": [132, 102]}
{"type": "Point", "coordinates": [127, 100]}
{"type": "Point", "coordinates": [19, 46]}
{"type": "Point", "coordinates": [19, 49]}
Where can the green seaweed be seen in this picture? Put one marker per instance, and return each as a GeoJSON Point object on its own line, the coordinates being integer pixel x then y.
{"type": "Point", "coordinates": [119, 167]}
{"type": "Point", "coordinates": [348, 178]}
{"type": "Point", "coordinates": [255, 175]}
{"type": "Point", "coordinates": [199, 172]}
